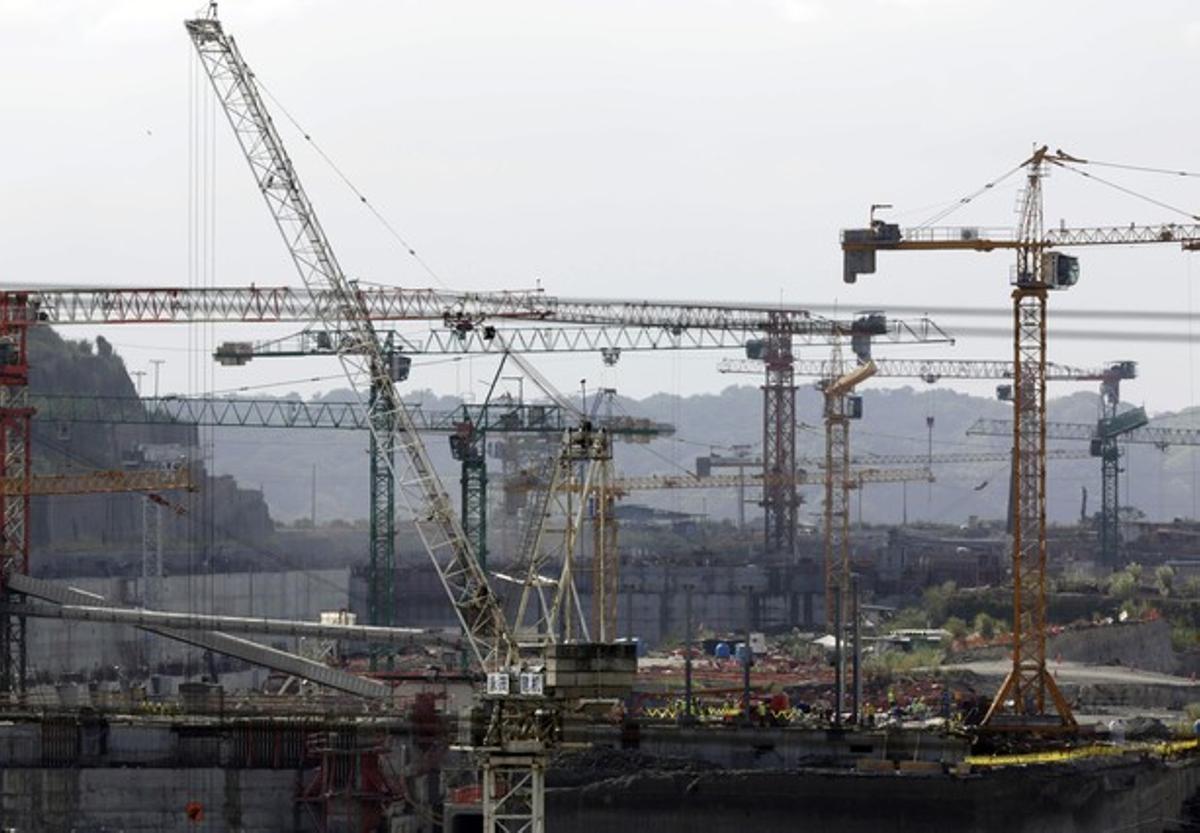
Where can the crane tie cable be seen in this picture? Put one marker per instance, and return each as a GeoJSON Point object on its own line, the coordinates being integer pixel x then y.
{"type": "Point", "coordinates": [959, 203]}
{"type": "Point", "coordinates": [408, 248]}
{"type": "Point", "coordinates": [1142, 168]}
{"type": "Point", "coordinates": [1128, 191]}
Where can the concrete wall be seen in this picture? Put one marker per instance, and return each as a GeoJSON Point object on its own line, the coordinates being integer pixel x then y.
{"type": "Point", "coordinates": [1145, 645]}
{"type": "Point", "coordinates": [148, 800]}
{"type": "Point", "coordinates": [651, 608]}
{"type": "Point", "coordinates": [58, 647]}
{"type": "Point", "coordinates": [1125, 795]}
{"type": "Point", "coordinates": [652, 598]}
{"type": "Point", "coordinates": [79, 774]}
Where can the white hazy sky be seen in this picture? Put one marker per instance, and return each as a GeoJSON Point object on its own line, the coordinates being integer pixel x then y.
{"type": "Point", "coordinates": [632, 148]}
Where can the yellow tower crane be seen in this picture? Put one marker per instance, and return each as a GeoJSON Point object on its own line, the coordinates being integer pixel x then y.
{"type": "Point", "coordinates": [1029, 699]}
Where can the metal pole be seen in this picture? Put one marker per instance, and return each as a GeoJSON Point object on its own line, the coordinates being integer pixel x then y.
{"type": "Point", "coordinates": [313, 496]}
{"type": "Point", "coordinates": [158, 363]}
{"type": "Point", "coordinates": [689, 637]}
{"type": "Point", "coordinates": [839, 654]}
{"type": "Point", "coordinates": [929, 456]}
{"type": "Point", "coordinates": [741, 498]}
{"type": "Point", "coordinates": [857, 636]}
{"type": "Point", "coordinates": [520, 380]}
{"type": "Point", "coordinates": [748, 658]}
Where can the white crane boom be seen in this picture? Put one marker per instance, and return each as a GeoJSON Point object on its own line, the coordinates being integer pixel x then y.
{"type": "Point", "coordinates": [440, 530]}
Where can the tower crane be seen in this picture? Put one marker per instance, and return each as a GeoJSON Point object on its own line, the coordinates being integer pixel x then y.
{"type": "Point", "coordinates": [839, 409]}
{"type": "Point", "coordinates": [1029, 699]}
{"type": "Point", "coordinates": [471, 323]}
{"type": "Point", "coordinates": [837, 383]}
{"type": "Point", "coordinates": [1104, 439]}
{"type": "Point", "coordinates": [612, 327]}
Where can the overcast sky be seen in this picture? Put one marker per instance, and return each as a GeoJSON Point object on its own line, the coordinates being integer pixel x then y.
{"type": "Point", "coordinates": [630, 148]}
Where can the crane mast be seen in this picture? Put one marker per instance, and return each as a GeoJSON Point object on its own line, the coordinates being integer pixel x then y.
{"type": "Point", "coordinates": [837, 415]}
{"type": "Point", "coordinates": [15, 446]}
{"type": "Point", "coordinates": [361, 355]}
{"type": "Point", "coordinates": [1029, 684]}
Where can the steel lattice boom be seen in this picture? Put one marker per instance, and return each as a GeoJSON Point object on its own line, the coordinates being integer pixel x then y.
{"type": "Point", "coordinates": [653, 482]}
{"type": "Point", "coordinates": [927, 370]}
{"type": "Point", "coordinates": [337, 302]}
{"type": "Point", "coordinates": [1161, 437]}
{"type": "Point", "coordinates": [1104, 439]}
{"type": "Point", "coordinates": [462, 313]}
{"type": "Point", "coordinates": [294, 413]}
{"type": "Point", "coordinates": [99, 482]}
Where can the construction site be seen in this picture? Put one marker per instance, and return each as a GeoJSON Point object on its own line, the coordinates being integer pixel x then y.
{"type": "Point", "coordinates": [866, 580]}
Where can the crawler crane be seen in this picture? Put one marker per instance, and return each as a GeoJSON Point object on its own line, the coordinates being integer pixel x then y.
{"type": "Point", "coordinates": [529, 685]}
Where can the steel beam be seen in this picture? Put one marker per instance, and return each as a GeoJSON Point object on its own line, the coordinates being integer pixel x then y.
{"type": "Point", "coordinates": [146, 619]}
{"type": "Point", "coordinates": [221, 643]}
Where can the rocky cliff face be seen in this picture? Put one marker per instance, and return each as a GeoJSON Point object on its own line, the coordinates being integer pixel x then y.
{"type": "Point", "coordinates": [219, 514]}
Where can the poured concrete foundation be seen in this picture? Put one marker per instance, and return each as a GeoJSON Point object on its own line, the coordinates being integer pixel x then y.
{"type": "Point", "coordinates": [1124, 795]}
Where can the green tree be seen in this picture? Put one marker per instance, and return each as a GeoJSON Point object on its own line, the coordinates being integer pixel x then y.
{"type": "Point", "coordinates": [907, 618]}
{"type": "Point", "coordinates": [1122, 586]}
{"type": "Point", "coordinates": [985, 626]}
{"type": "Point", "coordinates": [957, 627]}
{"type": "Point", "coordinates": [1164, 580]}
{"type": "Point", "coordinates": [936, 601]}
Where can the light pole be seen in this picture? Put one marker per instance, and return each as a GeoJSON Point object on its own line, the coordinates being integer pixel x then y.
{"type": "Point", "coordinates": [520, 380]}
{"type": "Point", "coordinates": [158, 363]}
{"type": "Point", "coordinates": [748, 656]}
{"type": "Point", "coordinates": [856, 635]}
{"type": "Point", "coordinates": [688, 716]}
{"type": "Point", "coordinates": [839, 653]}
{"type": "Point", "coordinates": [139, 374]}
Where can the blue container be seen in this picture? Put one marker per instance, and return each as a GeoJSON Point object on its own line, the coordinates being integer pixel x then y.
{"type": "Point", "coordinates": [721, 651]}
{"type": "Point", "coordinates": [743, 653]}
{"type": "Point", "coordinates": [640, 647]}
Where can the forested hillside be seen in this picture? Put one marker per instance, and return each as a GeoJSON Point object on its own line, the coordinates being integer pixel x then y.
{"type": "Point", "coordinates": [1162, 484]}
